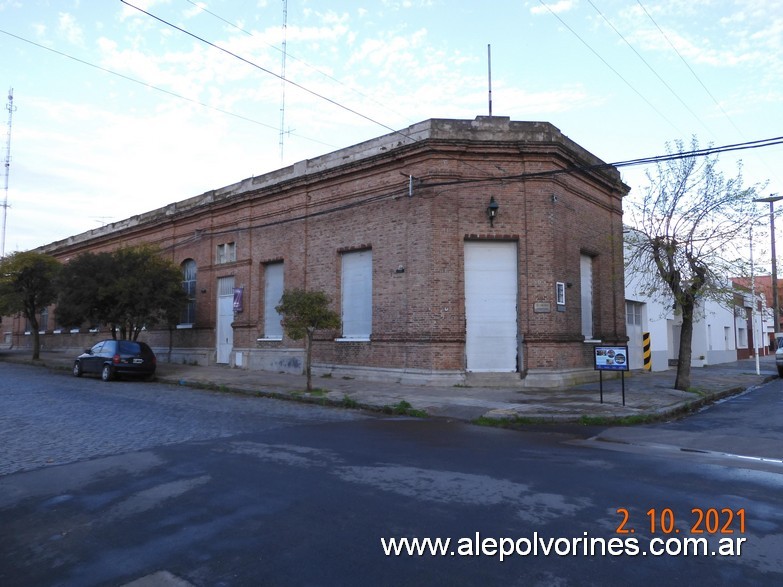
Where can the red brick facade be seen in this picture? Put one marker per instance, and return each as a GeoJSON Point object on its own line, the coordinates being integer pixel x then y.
{"type": "Point", "coordinates": [557, 203]}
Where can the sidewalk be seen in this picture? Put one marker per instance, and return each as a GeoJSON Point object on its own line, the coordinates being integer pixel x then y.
{"type": "Point", "coordinates": [646, 394]}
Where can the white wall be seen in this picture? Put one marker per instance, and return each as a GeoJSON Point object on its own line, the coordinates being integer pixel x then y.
{"type": "Point", "coordinates": [709, 344]}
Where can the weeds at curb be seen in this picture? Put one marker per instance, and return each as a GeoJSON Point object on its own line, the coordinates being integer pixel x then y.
{"type": "Point", "coordinates": [515, 422]}
{"type": "Point", "coordinates": [403, 408]}
{"type": "Point", "coordinates": [623, 421]}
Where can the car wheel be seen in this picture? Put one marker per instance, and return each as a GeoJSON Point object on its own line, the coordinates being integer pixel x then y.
{"type": "Point", "coordinates": [77, 369]}
{"type": "Point", "coordinates": [107, 373]}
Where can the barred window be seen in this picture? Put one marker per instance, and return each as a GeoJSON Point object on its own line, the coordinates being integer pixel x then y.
{"type": "Point", "coordinates": [189, 285]}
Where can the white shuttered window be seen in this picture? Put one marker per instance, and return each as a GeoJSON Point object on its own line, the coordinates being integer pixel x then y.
{"type": "Point", "coordinates": [357, 295]}
{"type": "Point", "coordinates": [273, 291]}
{"type": "Point", "coordinates": [586, 270]}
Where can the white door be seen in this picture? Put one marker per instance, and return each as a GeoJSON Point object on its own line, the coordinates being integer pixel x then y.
{"type": "Point", "coordinates": [225, 316]}
{"type": "Point", "coordinates": [491, 306]}
{"type": "Point", "coordinates": [633, 328]}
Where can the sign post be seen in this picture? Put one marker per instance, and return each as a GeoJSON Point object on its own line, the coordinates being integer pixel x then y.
{"type": "Point", "coordinates": [611, 358]}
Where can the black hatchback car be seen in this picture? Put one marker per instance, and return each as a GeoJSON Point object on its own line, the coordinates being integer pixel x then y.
{"type": "Point", "coordinates": [112, 358]}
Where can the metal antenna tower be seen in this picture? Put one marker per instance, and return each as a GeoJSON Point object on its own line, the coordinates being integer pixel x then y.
{"type": "Point", "coordinates": [282, 79]}
{"type": "Point", "coordinates": [10, 107]}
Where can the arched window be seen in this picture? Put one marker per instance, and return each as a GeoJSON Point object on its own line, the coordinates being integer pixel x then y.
{"type": "Point", "coordinates": [189, 285]}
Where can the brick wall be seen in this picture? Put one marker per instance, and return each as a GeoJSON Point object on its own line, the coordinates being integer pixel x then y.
{"type": "Point", "coordinates": [310, 213]}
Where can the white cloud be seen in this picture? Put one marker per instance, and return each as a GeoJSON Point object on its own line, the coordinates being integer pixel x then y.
{"type": "Point", "coordinates": [128, 10]}
{"type": "Point", "coordinates": [558, 7]}
{"type": "Point", "coordinates": [70, 29]}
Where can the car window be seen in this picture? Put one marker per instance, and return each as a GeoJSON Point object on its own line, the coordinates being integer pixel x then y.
{"type": "Point", "coordinates": [128, 347]}
{"type": "Point", "coordinates": [97, 348]}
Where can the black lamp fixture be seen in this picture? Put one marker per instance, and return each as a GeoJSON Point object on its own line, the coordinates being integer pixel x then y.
{"type": "Point", "coordinates": [492, 211]}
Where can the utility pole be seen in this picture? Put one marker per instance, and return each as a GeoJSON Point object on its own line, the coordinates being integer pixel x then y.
{"type": "Point", "coordinates": [10, 107]}
{"type": "Point", "coordinates": [775, 303]}
{"type": "Point", "coordinates": [489, 76]}
{"type": "Point", "coordinates": [282, 78]}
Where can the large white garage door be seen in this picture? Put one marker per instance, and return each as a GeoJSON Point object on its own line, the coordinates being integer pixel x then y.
{"type": "Point", "coordinates": [491, 306]}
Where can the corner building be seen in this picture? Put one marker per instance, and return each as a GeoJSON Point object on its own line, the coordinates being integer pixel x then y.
{"type": "Point", "coordinates": [399, 232]}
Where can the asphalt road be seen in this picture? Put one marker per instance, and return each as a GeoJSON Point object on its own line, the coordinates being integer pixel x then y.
{"type": "Point", "coordinates": [106, 484]}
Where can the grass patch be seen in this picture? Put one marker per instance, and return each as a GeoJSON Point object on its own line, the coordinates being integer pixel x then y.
{"type": "Point", "coordinates": [696, 391]}
{"type": "Point", "coordinates": [514, 422]}
{"type": "Point", "coordinates": [625, 421]}
{"type": "Point", "coordinates": [403, 408]}
{"type": "Point", "coordinates": [318, 392]}
{"type": "Point", "coordinates": [349, 402]}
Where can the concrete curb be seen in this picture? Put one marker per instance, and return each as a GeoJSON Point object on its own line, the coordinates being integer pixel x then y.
{"type": "Point", "coordinates": [484, 406]}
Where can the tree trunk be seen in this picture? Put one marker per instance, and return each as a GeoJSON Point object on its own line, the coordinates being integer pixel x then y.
{"type": "Point", "coordinates": [171, 341]}
{"type": "Point", "coordinates": [308, 357]}
{"type": "Point", "coordinates": [36, 338]}
{"type": "Point", "coordinates": [683, 381]}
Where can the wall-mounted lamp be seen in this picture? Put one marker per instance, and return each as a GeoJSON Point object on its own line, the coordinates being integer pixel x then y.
{"type": "Point", "coordinates": [203, 290]}
{"type": "Point", "coordinates": [492, 211]}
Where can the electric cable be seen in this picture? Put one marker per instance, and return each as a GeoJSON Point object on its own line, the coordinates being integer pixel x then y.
{"type": "Point", "coordinates": [605, 62]}
{"type": "Point", "coordinates": [272, 73]}
{"type": "Point", "coordinates": [520, 177]}
{"type": "Point", "coordinates": [159, 89]}
{"type": "Point", "coordinates": [302, 61]}
{"type": "Point", "coordinates": [650, 67]}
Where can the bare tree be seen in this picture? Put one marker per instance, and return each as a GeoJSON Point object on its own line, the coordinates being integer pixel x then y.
{"type": "Point", "coordinates": [303, 313]}
{"type": "Point", "coordinates": [689, 229]}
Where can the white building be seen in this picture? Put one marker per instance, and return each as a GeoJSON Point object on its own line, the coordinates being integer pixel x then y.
{"type": "Point", "coordinates": [720, 334]}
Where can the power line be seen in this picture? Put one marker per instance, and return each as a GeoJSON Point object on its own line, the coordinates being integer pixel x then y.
{"type": "Point", "coordinates": [628, 163]}
{"type": "Point", "coordinates": [698, 79]}
{"type": "Point", "coordinates": [297, 59]}
{"type": "Point", "coordinates": [605, 62]}
{"type": "Point", "coordinates": [521, 177]}
{"type": "Point", "coordinates": [694, 74]}
{"type": "Point", "coordinates": [281, 77]}
{"type": "Point", "coordinates": [255, 65]}
{"type": "Point", "coordinates": [156, 88]}
{"type": "Point", "coordinates": [650, 67]}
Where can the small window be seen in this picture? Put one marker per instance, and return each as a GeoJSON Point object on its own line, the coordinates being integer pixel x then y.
{"type": "Point", "coordinates": [742, 338]}
{"type": "Point", "coordinates": [560, 293]}
{"type": "Point", "coordinates": [633, 313]}
{"type": "Point", "coordinates": [226, 253]}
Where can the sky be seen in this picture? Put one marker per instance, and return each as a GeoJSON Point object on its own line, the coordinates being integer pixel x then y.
{"type": "Point", "coordinates": [116, 113]}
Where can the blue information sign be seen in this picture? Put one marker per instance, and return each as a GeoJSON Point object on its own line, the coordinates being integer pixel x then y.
{"type": "Point", "coordinates": [611, 358]}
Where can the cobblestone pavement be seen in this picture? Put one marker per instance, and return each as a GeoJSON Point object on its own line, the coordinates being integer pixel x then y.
{"type": "Point", "coordinates": [51, 418]}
